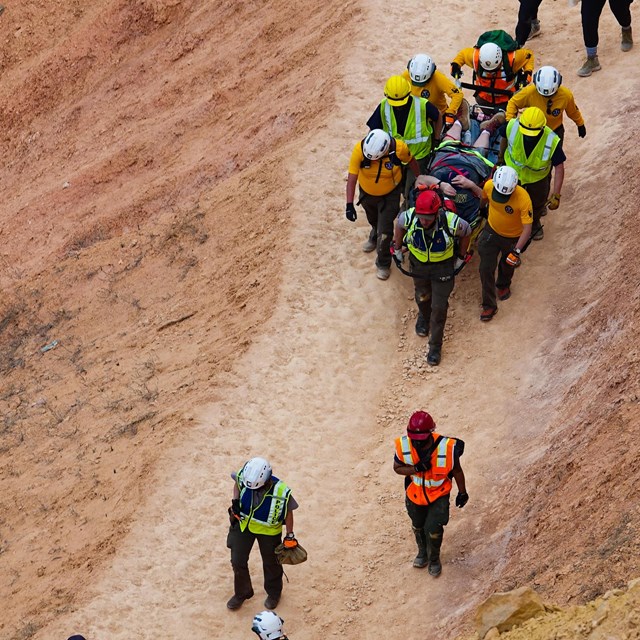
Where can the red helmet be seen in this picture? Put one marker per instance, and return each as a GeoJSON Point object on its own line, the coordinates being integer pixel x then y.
{"type": "Point", "coordinates": [428, 202]}
{"type": "Point", "coordinates": [420, 426]}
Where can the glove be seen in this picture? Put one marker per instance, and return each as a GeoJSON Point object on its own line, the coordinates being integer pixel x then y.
{"type": "Point", "coordinates": [523, 79]}
{"type": "Point", "coordinates": [554, 201]}
{"type": "Point", "coordinates": [456, 71]}
{"type": "Point", "coordinates": [423, 465]}
{"type": "Point", "coordinates": [582, 131]}
{"type": "Point", "coordinates": [449, 118]}
{"type": "Point", "coordinates": [351, 214]}
{"type": "Point", "coordinates": [513, 259]}
{"type": "Point", "coordinates": [396, 253]}
{"type": "Point", "coordinates": [234, 512]}
{"type": "Point", "coordinates": [462, 499]}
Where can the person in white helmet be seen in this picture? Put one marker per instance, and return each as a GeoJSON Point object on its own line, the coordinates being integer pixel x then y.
{"type": "Point", "coordinates": [427, 82]}
{"type": "Point", "coordinates": [267, 625]}
{"type": "Point", "coordinates": [261, 504]}
{"type": "Point", "coordinates": [550, 96]}
{"type": "Point", "coordinates": [497, 73]}
{"type": "Point", "coordinates": [505, 236]}
{"type": "Point", "coordinates": [376, 165]}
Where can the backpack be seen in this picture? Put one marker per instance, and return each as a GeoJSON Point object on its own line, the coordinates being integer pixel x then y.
{"type": "Point", "coordinates": [504, 41]}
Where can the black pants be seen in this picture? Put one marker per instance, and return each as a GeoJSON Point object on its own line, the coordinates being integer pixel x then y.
{"type": "Point", "coordinates": [493, 250]}
{"type": "Point", "coordinates": [381, 211]}
{"type": "Point", "coordinates": [432, 290]}
{"type": "Point", "coordinates": [528, 12]}
{"type": "Point", "coordinates": [539, 193]}
{"type": "Point", "coordinates": [240, 543]}
{"type": "Point", "coordinates": [431, 519]}
{"type": "Point", "coordinates": [591, 10]}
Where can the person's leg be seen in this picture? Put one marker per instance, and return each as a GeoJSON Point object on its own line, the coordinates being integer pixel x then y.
{"type": "Point", "coordinates": [437, 519]}
{"type": "Point", "coordinates": [621, 10]}
{"type": "Point", "coordinates": [527, 13]}
{"type": "Point", "coordinates": [271, 567]}
{"type": "Point", "coordinates": [418, 515]}
{"type": "Point", "coordinates": [240, 544]}
{"type": "Point", "coordinates": [370, 205]}
{"type": "Point", "coordinates": [590, 11]}
{"type": "Point", "coordinates": [422, 294]}
{"type": "Point", "coordinates": [387, 213]}
{"type": "Point", "coordinates": [442, 283]}
{"type": "Point", "coordinates": [539, 192]}
{"type": "Point", "coordinates": [505, 271]}
{"type": "Point", "coordinates": [488, 252]}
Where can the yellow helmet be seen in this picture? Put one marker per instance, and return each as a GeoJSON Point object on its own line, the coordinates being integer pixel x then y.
{"type": "Point", "coordinates": [532, 121]}
{"type": "Point", "coordinates": [397, 91]}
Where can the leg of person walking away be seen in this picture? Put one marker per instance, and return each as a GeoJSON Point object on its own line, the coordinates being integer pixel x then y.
{"type": "Point", "coordinates": [418, 515]}
{"type": "Point", "coordinates": [272, 569]}
{"type": "Point", "coordinates": [370, 204]}
{"type": "Point", "coordinates": [240, 543]}
{"type": "Point", "coordinates": [437, 519]}
{"type": "Point", "coordinates": [528, 24]}
{"type": "Point", "coordinates": [622, 11]}
{"type": "Point", "coordinates": [488, 250]}
{"type": "Point", "coordinates": [387, 212]}
{"type": "Point", "coordinates": [538, 192]}
{"type": "Point", "coordinates": [590, 11]}
{"type": "Point", "coordinates": [442, 283]}
{"type": "Point", "coordinates": [505, 271]}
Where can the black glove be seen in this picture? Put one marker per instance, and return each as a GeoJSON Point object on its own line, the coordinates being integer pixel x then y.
{"type": "Point", "coordinates": [523, 78]}
{"type": "Point", "coordinates": [462, 499]}
{"type": "Point", "coordinates": [582, 131]}
{"type": "Point", "coordinates": [423, 465]}
{"type": "Point", "coordinates": [234, 511]}
{"type": "Point", "coordinates": [456, 71]}
{"type": "Point", "coordinates": [351, 214]}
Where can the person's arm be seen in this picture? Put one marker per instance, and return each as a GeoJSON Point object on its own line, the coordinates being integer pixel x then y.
{"type": "Point", "coordinates": [429, 181]}
{"type": "Point", "coordinates": [513, 106]}
{"type": "Point", "coordinates": [352, 180]}
{"type": "Point", "coordinates": [524, 237]}
{"type": "Point", "coordinates": [414, 166]}
{"type": "Point", "coordinates": [398, 231]}
{"type": "Point", "coordinates": [452, 91]}
{"type": "Point", "coordinates": [403, 469]}
{"type": "Point", "coordinates": [464, 56]}
{"type": "Point", "coordinates": [558, 178]}
{"type": "Point", "coordinates": [572, 111]}
{"type": "Point", "coordinates": [466, 183]}
{"type": "Point", "coordinates": [463, 231]}
{"type": "Point", "coordinates": [523, 61]}
{"type": "Point", "coordinates": [458, 476]}
{"type": "Point", "coordinates": [288, 521]}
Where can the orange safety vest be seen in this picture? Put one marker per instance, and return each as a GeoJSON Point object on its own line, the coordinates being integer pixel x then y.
{"type": "Point", "coordinates": [497, 79]}
{"type": "Point", "coordinates": [426, 487]}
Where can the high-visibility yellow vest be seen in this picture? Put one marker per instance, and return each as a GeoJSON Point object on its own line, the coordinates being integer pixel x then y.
{"type": "Point", "coordinates": [431, 247]}
{"type": "Point", "coordinates": [267, 516]}
{"type": "Point", "coordinates": [537, 165]}
{"type": "Point", "coordinates": [418, 130]}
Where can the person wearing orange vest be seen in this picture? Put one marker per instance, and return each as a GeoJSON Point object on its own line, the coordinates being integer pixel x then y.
{"type": "Point", "coordinates": [491, 71]}
{"type": "Point", "coordinates": [428, 461]}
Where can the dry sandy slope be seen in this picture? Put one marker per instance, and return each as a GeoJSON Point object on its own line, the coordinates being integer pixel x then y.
{"type": "Point", "coordinates": [328, 381]}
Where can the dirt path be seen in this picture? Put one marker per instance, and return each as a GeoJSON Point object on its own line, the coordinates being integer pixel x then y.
{"type": "Point", "coordinates": [322, 392]}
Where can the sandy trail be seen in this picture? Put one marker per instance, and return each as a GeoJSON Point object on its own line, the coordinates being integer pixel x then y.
{"type": "Point", "coordinates": [328, 384]}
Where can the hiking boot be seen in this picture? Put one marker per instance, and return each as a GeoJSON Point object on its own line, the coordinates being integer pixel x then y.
{"type": "Point", "coordinates": [487, 314]}
{"type": "Point", "coordinates": [434, 356]}
{"type": "Point", "coordinates": [369, 246]}
{"type": "Point", "coordinates": [463, 115]}
{"type": "Point", "coordinates": [236, 601]}
{"type": "Point", "coordinates": [420, 562]}
{"type": "Point", "coordinates": [435, 568]}
{"type": "Point", "coordinates": [271, 602]}
{"type": "Point", "coordinates": [626, 43]}
{"type": "Point", "coordinates": [590, 65]}
{"type": "Point", "coordinates": [535, 29]}
{"type": "Point", "coordinates": [492, 124]}
{"type": "Point", "coordinates": [383, 273]}
{"type": "Point", "coordinates": [503, 293]}
{"type": "Point", "coordinates": [544, 211]}
{"type": "Point", "coordinates": [422, 329]}
{"type": "Point", "coordinates": [538, 234]}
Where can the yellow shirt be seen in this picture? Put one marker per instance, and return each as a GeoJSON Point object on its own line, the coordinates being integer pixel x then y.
{"type": "Point", "coordinates": [553, 107]}
{"type": "Point", "coordinates": [382, 176]}
{"type": "Point", "coordinates": [508, 219]}
{"type": "Point", "coordinates": [523, 59]}
{"type": "Point", "coordinates": [435, 91]}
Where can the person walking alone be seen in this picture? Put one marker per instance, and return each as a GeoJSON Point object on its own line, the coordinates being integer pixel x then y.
{"type": "Point", "coordinates": [428, 461]}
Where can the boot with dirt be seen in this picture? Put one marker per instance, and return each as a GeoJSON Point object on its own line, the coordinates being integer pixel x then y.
{"type": "Point", "coordinates": [463, 115]}
{"type": "Point", "coordinates": [420, 561]}
{"type": "Point", "coordinates": [626, 44]}
{"type": "Point", "coordinates": [590, 65]}
{"type": "Point", "coordinates": [435, 566]}
{"type": "Point", "coordinates": [535, 29]}
{"type": "Point", "coordinates": [493, 123]}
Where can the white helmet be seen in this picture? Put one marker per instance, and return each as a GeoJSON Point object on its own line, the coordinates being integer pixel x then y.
{"type": "Point", "coordinates": [505, 180]}
{"type": "Point", "coordinates": [255, 473]}
{"type": "Point", "coordinates": [421, 68]}
{"type": "Point", "coordinates": [490, 56]}
{"type": "Point", "coordinates": [268, 625]}
{"type": "Point", "coordinates": [547, 81]}
{"type": "Point", "coordinates": [376, 144]}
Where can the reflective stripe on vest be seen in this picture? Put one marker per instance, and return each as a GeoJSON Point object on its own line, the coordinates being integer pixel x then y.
{"type": "Point", "coordinates": [493, 79]}
{"type": "Point", "coordinates": [417, 131]}
{"type": "Point", "coordinates": [537, 165]}
{"type": "Point", "coordinates": [267, 517]}
{"type": "Point", "coordinates": [440, 245]}
{"type": "Point", "coordinates": [428, 486]}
